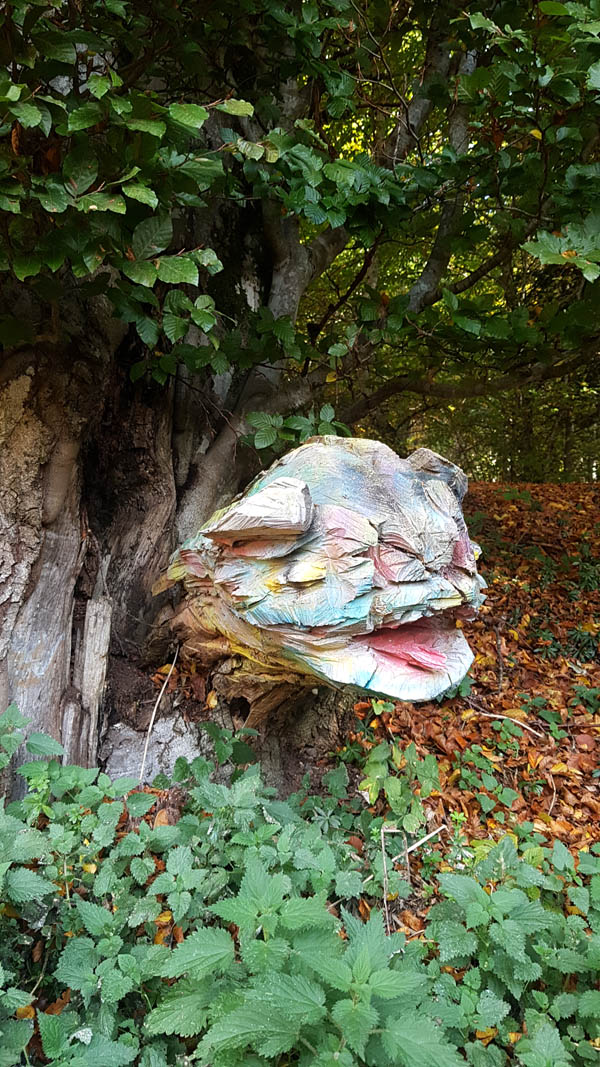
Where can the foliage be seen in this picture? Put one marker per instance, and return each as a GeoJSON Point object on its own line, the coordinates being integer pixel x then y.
{"type": "Point", "coordinates": [131, 937]}
{"type": "Point", "coordinates": [445, 162]}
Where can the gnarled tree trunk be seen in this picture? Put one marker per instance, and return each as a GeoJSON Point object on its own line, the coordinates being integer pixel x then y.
{"type": "Point", "coordinates": [102, 478]}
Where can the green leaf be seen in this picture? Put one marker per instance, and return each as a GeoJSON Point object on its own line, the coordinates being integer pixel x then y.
{"type": "Point", "coordinates": [154, 127]}
{"type": "Point", "coordinates": [98, 85]}
{"type": "Point", "coordinates": [22, 885]}
{"type": "Point", "coordinates": [266, 437]}
{"type": "Point", "coordinates": [236, 107]}
{"type": "Point", "coordinates": [141, 271]}
{"type": "Point", "coordinates": [175, 327]}
{"type": "Point", "coordinates": [589, 1004]}
{"type": "Point", "coordinates": [389, 984]}
{"type": "Point", "coordinates": [201, 953]}
{"type": "Point", "coordinates": [114, 986]}
{"type": "Point", "coordinates": [76, 964]}
{"type": "Point", "coordinates": [27, 114]}
{"type": "Point", "coordinates": [152, 236]}
{"type": "Point", "coordinates": [139, 804]}
{"type": "Point", "coordinates": [26, 266]}
{"type": "Point", "coordinates": [491, 1010]}
{"type": "Point", "coordinates": [177, 269]}
{"type": "Point", "coordinates": [55, 1031]}
{"type": "Point", "coordinates": [53, 198]}
{"type": "Point", "coordinates": [81, 169]}
{"type": "Point", "coordinates": [302, 912]}
{"type": "Point", "coordinates": [97, 920]}
{"type": "Point", "coordinates": [189, 114]}
{"type": "Point", "coordinates": [183, 1010]}
{"type": "Point", "coordinates": [42, 745]}
{"type": "Point", "coordinates": [551, 7]}
{"type": "Point", "coordinates": [543, 1048]}
{"type": "Point", "coordinates": [415, 1041]}
{"type": "Point", "coordinates": [355, 1019]}
{"type": "Point", "coordinates": [593, 76]}
{"type": "Point", "coordinates": [84, 117]}
{"type": "Point", "coordinates": [141, 193]}
{"type": "Point", "coordinates": [463, 890]}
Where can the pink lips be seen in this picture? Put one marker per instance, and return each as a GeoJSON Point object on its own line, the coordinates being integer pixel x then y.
{"type": "Point", "coordinates": [408, 643]}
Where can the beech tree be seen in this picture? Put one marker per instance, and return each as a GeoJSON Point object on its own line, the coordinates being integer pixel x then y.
{"type": "Point", "coordinates": [226, 227]}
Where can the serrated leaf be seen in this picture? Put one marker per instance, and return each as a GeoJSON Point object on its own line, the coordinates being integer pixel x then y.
{"type": "Point", "coordinates": [182, 1011]}
{"type": "Point", "coordinates": [140, 271]}
{"type": "Point", "coordinates": [389, 984]}
{"type": "Point", "coordinates": [355, 1019]}
{"type": "Point", "coordinates": [141, 193]}
{"type": "Point", "coordinates": [97, 920]}
{"type": "Point", "coordinates": [55, 1031]}
{"type": "Point", "coordinates": [491, 1010]}
{"type": "Point", "coordinates": [236, 107]}
{"type": "Point", "coordinates": [177, 269]}
{"type": "Point", "coordinates": [27, 114]}
{"type": "Point", "coordinates": [189, 114]}
{"type": "Point", "coordinates": [300, 913]}
{"type": "Point", "coordinates": [415, 1041]}
{"type": "Point", "coordinates": [139, 804]}
{"type": "Point", "coordinates": [80, 168]}
{"type": "Point", "coordinates": [114, 986]}
{"type": "Point", "coordinates": [589, 1004]}
{"type": "Point", "coordinates": [152, 236]}
{"type": "Point", "coordinates": [22, 885]}
{"type": "Point", "coordinates": [201, 953]}
{"type": "Point", "coordinates": [265, 437]}
{"type": "Point", "coordinates": [84, 117]}
{"type": "Point", "coordinates": [42, 745]}
{"type": "Point", "coordinates": [76, 964]}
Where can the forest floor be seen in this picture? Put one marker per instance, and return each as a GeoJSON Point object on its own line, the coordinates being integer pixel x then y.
{"type": "Point", "coordinates": [518, 748]}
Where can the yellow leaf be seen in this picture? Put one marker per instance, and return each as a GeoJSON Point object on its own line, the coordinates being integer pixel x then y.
{"type": "Point", "coordinates": [164, 917]}
{"type": "Point", "coordinates": [514, 1036]}
{"type": "Point", "coordinates": [537, 134]}
{"type": "Point", "coordinates": [91, 868]}
{"type": "Point", "coordinates": [485, 1036]}
{"type": "Point", "coordinates": [26, 1012]}
{"type": "Point", "coordinates": [212, 700]}
{"type": "Point", "coordinates": [331, 377]}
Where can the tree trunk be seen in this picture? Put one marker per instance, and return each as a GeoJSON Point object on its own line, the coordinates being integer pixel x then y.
{"type": "Point", "coordinates": [102, 479]}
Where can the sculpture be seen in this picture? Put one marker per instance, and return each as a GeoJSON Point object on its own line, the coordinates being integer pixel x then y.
{"type": "Point", "coordinates": [342, 563]}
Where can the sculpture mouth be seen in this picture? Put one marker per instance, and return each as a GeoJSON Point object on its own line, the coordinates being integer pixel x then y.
{"type": "Point", "coordinates": [411, 644]}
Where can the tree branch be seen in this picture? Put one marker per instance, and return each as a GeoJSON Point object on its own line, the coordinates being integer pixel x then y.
{"type": "Point", "coordinates": [468, 387]}
{"type": "Point", "coordinates": [423, 292]}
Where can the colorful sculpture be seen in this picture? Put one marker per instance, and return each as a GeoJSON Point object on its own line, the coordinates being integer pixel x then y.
{"type": "Point", "coordinates": [343, 564]}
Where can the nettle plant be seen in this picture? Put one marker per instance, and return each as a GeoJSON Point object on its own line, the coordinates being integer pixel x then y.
{"type": "Point", "coordinates": [229, 934]}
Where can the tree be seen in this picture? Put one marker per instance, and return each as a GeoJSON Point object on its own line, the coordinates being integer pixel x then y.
{"type": "Point", "coordinates": [215, 217]}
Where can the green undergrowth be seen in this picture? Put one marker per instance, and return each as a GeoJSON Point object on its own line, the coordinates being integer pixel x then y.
{"type": "Point", "coordinates": [213, 924]}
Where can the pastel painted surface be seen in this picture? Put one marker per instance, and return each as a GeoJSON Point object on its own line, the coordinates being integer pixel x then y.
{"type": "Point", "coordinates": [344, 563]}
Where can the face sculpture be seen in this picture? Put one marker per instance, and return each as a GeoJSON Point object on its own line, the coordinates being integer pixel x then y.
{"type": "Point", "coordinates": [341, 563]}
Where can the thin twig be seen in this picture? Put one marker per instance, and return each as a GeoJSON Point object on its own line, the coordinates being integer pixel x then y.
{"type": "Point", "coordinates": [385, 880]}
{"type": "Point", "coordinates": [154, 710]}
{"type": "Point", "coordinates": [406, 851]}
{"type": "Point", "coordinates": [553, 801]}
{"type": "Point", "coordinates": [496, 715]}
{"type": "Point", "coordinates": [42, 972]}
{"type": "Point", "coordinates": [500, 659]}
